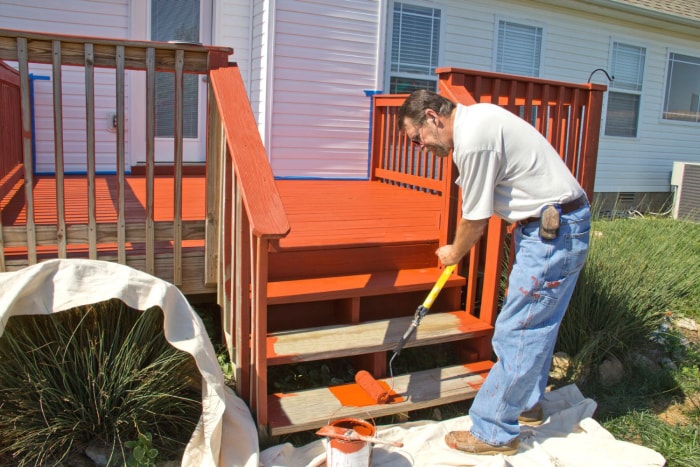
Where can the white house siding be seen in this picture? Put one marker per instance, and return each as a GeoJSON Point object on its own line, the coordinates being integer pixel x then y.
{"type": "Point", "coordinates": [233, 28]}
{"type": "Point", "coordinates": [575, 43]}
{"type": "Point", "coordinates": [261, 63]}
{"type": "Point", "coordinates": [325, 56]}
{"type": "Point", "coordinates": [103, 18]}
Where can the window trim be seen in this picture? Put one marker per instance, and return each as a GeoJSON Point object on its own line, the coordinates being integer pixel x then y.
{"type": "Point", "coordinates": [604, 120]}
{"type": "Point", "coordinates": [662, 103]}
{"type": "Point", "coordinates": [524, 22]}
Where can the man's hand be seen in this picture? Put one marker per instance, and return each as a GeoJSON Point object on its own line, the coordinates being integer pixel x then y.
{"type": "Point", "coordinates": [468, 233]}
{"type": "Point", "coordinates": [448, 255]}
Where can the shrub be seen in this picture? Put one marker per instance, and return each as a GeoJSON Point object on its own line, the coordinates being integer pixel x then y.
{"type": "Point", "coordinates": [104, 373]}
{"type": "Point", "coordinates": [637, 271]}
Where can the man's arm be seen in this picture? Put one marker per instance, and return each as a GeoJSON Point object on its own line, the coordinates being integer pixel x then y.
{"type": "Point", "coordinates": [468, 233]}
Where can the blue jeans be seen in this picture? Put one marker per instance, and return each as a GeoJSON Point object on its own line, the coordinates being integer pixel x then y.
{"type": "Point", "coordinates": [540, 286]}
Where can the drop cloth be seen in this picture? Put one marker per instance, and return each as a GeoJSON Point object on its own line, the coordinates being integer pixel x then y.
{"type": "Point", "coordinates": [225, 434]}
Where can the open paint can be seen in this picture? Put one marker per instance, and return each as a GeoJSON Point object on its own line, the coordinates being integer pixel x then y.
{"type": "Point", "coordinates": [356, 453]}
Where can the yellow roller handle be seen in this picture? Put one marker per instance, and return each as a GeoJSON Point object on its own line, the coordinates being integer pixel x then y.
{"type": "Point", "coordinates": [446, 273]}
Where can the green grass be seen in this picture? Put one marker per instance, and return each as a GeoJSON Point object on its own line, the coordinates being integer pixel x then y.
{"type": "Point", "coordinates": [98, 373]}
{"type": "Point", "coordinates": [638, 271]}
{"type": "Point", "coordinates": [641, 274]}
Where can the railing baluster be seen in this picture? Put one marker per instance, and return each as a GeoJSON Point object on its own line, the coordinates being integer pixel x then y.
{"type": "Point", "coordinates": [90, 149]}
{"type": "Point", "coordinates": [22, 55]}
{"type": "Point", "coordinates": [150, 155]}
{"type": "Point", "coordinates": [57, 79]}
{"type": "Point", "coordinates": [121, 162]}
{"type": "Point", "coordinates": [177, 202]}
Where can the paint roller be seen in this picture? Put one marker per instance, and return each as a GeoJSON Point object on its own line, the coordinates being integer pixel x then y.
{"type": "Point", "coordinates": [372, 387]}
{"type": "Point", "coordinates": [366, 381]}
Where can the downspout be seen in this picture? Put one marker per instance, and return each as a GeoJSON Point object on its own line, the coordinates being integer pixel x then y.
{"type": "Point", "coordinates": [32, 78]}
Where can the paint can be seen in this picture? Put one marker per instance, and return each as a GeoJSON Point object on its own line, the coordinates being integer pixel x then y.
{"type": "Point", "coordinates": [356, 453]}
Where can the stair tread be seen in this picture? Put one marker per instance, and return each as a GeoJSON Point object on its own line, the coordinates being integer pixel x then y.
{"type": "Point", "coordinates": [365, 285]}
{"type": "Point", "coordinates": [372, 336]}
{"type": "Point", "coordinates": [310, 409]}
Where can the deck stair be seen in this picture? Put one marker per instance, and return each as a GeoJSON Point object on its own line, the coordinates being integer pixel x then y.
{"type": "Point", "coordinates": [369, 313]}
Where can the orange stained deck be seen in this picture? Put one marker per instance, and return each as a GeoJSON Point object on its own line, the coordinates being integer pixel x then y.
{"type": "Point", "coordinates": [322, 213]}
{"type": "Point", "coordinates": [14, 210]}
{"type": "Point", "coordinates": [328, 213]}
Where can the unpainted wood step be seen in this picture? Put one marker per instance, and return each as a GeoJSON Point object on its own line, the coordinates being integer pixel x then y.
{"type": "Point", "coordinates": [310, 409]}
{"type": "Point", "coordinates": [356, 285]}
{"type": "Point", "coordinates": [373, 336]}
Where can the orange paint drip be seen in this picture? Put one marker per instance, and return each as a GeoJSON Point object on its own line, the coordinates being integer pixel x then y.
{"type": "Point", "coordinates": [352, 395]}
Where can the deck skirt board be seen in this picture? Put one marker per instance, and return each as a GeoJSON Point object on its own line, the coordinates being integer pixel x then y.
{"type": "Point", "coordinates": [307, 410]}
{"type": "Point", "coordinates": [374, 336]}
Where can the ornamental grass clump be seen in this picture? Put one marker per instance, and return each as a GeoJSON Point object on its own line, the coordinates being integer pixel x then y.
{"type": "Point", "coordinates": [102, 374]}
{"type": "Point", "coordinates": [639, 271]}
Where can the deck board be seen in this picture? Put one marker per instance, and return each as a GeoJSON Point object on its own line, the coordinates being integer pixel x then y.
{"type": "Point", "coordinates": [336, 212]}
{"type": "Point", "coordinates": [323, 214]}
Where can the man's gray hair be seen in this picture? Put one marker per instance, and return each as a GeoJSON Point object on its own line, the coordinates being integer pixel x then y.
{"type": "Point", "coordinates": [418, 102]}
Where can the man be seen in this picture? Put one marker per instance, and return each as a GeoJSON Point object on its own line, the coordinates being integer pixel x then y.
{"type": "Point", "coordinates": [506, 167]}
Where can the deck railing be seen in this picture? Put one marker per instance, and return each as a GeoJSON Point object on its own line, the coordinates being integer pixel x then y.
{"type": "Point", "coordinates": [567, 114]}
{"type": "Point", "coordinates": [25, 48]}
{"type": "Point", "coordinates": [254, 219]}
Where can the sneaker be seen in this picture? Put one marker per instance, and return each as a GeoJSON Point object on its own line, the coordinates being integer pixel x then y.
{"type": "Point", "coordinates": [464, 441]}
{"type": "Point", "coordinates": [532, 417]}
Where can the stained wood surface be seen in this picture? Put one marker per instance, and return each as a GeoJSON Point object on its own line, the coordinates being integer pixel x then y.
{"type": "Point", "coordinates": [306, 410]}
{"type": "Point", "coordinates": [325, 213]}
{"type": "Point", "coordinates": [375, 336]}
{"type": "Point", "coordinates": [355, 285]}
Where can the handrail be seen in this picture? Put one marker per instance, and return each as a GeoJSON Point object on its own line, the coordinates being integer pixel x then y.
{"type": "Point", "coordinates": [267, 216]}
{"type": "Point", "coordinates": [197, 58]}
{"type": "Point", "coordinates": [251, 216]}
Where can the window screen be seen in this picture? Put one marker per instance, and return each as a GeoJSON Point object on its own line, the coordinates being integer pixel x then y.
{"type": "Point", "coordinates": [415, 46]}
{"type": "Point", "coordinates": [519, 49]}
{"type": "Point", "coordinates": [175, 20]}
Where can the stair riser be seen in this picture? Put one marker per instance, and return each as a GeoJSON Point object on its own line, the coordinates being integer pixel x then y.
{"type": "Point", "coordinates": [298, 264]}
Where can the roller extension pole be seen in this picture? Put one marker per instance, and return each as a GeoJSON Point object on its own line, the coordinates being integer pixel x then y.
{"type": "Point", "coordinates": [424, 307]}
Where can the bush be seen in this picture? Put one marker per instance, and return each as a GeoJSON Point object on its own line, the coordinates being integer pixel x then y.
{"type": "Point", "coordinates": [638, 271]}
{"type": "Point", "coordinates": [103, 373]}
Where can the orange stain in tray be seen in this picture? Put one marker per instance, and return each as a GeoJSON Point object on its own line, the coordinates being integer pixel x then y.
{"type": "Point", "coordinates": [352, 395]}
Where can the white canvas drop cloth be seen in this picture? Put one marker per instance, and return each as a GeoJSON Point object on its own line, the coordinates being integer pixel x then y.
{"type": "Point", "coordinates": [225, 434]}
{"type": "Point", "coordinates": [568, 438]}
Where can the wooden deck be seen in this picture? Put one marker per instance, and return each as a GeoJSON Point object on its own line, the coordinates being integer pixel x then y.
{"type": "Point", "coordinates": [332, 213]}
{"type": "Point", "coordinates": [14, 211]}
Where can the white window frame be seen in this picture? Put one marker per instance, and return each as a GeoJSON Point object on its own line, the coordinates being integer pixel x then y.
{"type": "Point", "coordinates": [520, 22]}
{"type": "Point", "coordinates": [612, 88]}
{"type": "Point", "coordinates": [388, 74]}
{"type": "Point", "coordinates": [669, 51]}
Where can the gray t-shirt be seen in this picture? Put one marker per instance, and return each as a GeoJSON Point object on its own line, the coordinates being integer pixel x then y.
{"type": "Point", "coordinates": [506, 167]}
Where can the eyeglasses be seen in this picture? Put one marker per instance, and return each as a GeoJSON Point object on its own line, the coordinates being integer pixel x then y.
{"type": "Point", "coordinates": [418, 137]}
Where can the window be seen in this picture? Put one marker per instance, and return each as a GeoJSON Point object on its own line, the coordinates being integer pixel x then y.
{"type": "Point", "coordinates": [625, 94]}
{"type": "Point", "coordinates": [519, 49]}
{"type": "Point", "coordinates": [175, 20]}
{"type": "Point", "coordinates": [415, 46]}
{"type": "Point", "coordinates": [682, 100]}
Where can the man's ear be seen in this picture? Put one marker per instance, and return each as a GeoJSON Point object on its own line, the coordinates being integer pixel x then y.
{"type": "Point", "coordinates": [430, 114]}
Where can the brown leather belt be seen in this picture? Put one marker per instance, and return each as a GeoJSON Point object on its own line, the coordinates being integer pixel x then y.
{"type": "Point", "coordinates": [565, 208]}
